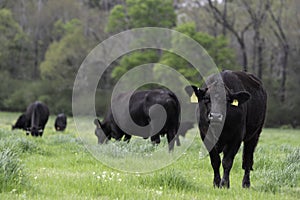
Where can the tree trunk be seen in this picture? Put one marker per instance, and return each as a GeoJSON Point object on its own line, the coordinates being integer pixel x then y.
{"type": "Point", "coordinates": [260, 60]}
{"type": "Point", "coordinates": [244, 54]}
{"type": "Point", "coordinates": [224, 17]}
{"type": "Point", "coordinates": [36, 60]}
{"type": "Point", "coordinates": [284, 73]}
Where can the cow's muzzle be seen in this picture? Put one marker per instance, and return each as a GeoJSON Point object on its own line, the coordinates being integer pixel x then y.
{"type": "Point", "coordinates": [215, 117]}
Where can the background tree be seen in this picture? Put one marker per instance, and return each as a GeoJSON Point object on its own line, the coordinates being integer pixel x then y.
{"type": "Point", "coordinates": [43, 43]}
{"type": "Point", "coordinates": [135, 14]}
{"type": "Point", "coordinates": [229, 23]}
{"type": "Point", "coordinates": [216, 47]}
{"type": "Point", "coordinates": [14, 46]}
{"type": "Point", "coordinates": [141, 13]}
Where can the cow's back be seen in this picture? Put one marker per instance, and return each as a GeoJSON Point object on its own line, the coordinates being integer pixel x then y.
{"type": "Point", "coordinates": [38, 112]}
{"type": "Point", "coordinates": [142, 101]}
{"type": "Point", "coordinates": [256, 105]}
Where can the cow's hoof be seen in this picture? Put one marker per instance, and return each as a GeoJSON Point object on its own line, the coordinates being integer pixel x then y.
{"type": "Point", "coordinates": [224, 183]}
{"type": "Point", "coordinates": [216, 185]}
{"type": "Point", "coordinates": [246, 184]}
{"type": "Point", "coordinates": [217, 182]}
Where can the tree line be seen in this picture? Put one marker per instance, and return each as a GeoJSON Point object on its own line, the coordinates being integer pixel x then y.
{"type": "Point", "coordinates": [44, 42]}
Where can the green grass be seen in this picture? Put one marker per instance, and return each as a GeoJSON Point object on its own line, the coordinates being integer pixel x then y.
{"type": "Point", "coordinates": [58, 166]}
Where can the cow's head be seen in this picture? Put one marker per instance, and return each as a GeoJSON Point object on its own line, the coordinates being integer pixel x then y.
{"type": "Point", "coordinates": [21, 122]}
{"type": "Point", "coordinates": [35, 131]}
{"type": "Point", "coordinates": [234, 100]}
{"type": "Point", "coordinates": [103, 131]}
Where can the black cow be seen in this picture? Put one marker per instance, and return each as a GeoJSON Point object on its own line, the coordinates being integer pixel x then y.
{"type": "Point", "coordinates": [139, 108]}
{"type": "Point", "coordinates": [60, 122]}
{"type": "Point", "coordinates": [37, 115]}
{"type": "Point", "coordinates": [184, 127]}
{"type": "Point", "coordinates": [245, 115]}
{"type": "Point", "coordinates": [21, 123]}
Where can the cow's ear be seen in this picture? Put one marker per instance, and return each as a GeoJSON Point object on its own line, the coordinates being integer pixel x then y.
{"type": "Point", "coordinates": [239, 98]}
{"type": "Point", "coordinates": [97, 123]}
{"type": "Point", "coordinates": [191, 89]}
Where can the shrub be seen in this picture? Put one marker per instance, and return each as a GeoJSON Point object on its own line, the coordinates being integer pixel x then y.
{"type": "Point", "coordinates": [169, 179]}
{"type": "Point", "coordinates": [284, 173]}
{"type": "Point", "coordinates": [11, 171]}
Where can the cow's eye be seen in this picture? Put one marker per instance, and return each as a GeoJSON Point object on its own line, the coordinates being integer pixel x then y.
{"type": "Point", "coordinates": [206, 100]}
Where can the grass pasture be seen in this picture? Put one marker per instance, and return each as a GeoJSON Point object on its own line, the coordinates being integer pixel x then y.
{"type": "Point", "coordinates": [58, 166]}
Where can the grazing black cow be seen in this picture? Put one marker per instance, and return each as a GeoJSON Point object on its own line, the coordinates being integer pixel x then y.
{"type": "Point", "coordinates": [245, 115]}
{"type": "Point", "coordinates": [37, 115]}
{"type": "Point", "coordinates": [21, 123]}
{"type": "Point", "coordinates": [60, 122]}
{"type": "Point", "coordinates": [184, 127]}
{"type": "Point", "coordinates": [139, 108]}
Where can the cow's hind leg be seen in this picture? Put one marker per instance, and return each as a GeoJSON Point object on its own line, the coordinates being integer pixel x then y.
{"type": "Point", "coordinates": [171, 139]}
{"type": "Point", "coordinates": [177, 140]}
{"type": "Point", "coordinates": [248, 151]}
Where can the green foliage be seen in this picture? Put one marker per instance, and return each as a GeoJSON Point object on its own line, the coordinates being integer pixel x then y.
{"type": "Point", "coordinates": [134, 59]}
{"type": "Point", "coordinates": [151, 13]}
{"type": "Point", "coordinates": [217, 48]}
{"type": "Point", "coordinates": [7, 85]}
{"type": "Point", "coordinates": [117, 20]}
{"type": "Point", "coordinates": [19, 99]}
{"type": "Point", "coordinates": [141, 13]}
{"type": "Point", "coordinates": [64, 57]}
{"type": "Point", "coordinates": [12, 175]}
{"type": "Point", "coordinates": [60, 28]}
{"type": "Point", "coordinates": [56, 97]}
{"type": "Point", "coordinates": [13, 43]}
{"type": "Point", "coordinates": [48, 40]}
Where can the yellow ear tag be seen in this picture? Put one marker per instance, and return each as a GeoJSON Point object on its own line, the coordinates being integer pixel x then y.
{"type": "Point", "coordinates": [194, 98]}
{"type": "Point", "coordinates": [235, 102]}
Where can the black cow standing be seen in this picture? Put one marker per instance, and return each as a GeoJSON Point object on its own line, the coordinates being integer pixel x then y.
{"type": "Point", "coordinates": [60, 122]}
{"type": "Point", "coordinates": [245, 115]}
{"type": "Point", "coordinates": [34, 119]}
{"type": "Point", "coordinates": [139, 108]}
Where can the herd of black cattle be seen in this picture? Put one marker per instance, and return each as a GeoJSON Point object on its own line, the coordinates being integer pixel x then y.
{"type": "Point", "coordinates": [35, 118]}
{"type": "Point", "coordinates": [245, 115]}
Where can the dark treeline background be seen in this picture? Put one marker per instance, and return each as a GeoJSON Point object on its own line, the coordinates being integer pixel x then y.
{"type": "Point", "coordinates": [43, 43]}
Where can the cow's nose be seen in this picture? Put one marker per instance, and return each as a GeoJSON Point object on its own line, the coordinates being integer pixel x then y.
{"type": "Point", "coordinates": [215, 117]}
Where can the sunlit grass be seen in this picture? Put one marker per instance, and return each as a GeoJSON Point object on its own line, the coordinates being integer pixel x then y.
{"type": "Point", "coordinates": [58, 166]}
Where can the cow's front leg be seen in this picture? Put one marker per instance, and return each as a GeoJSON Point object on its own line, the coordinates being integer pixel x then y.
{"type": "Point", "coordinates": [229, 153]}
{"type": "Point", "coordinates": [127, 138]}
{"type": "Point", "coordinates": [215, 163]}
{"type": "Point", "coordinates": [155, 139]}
